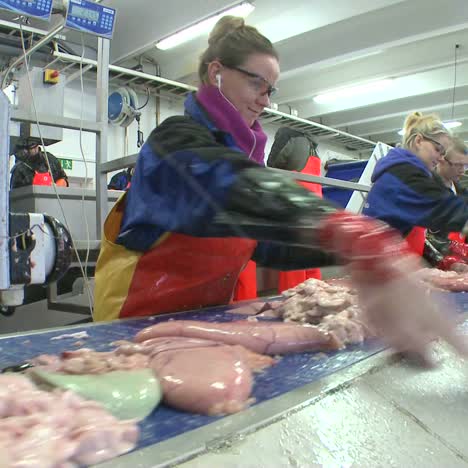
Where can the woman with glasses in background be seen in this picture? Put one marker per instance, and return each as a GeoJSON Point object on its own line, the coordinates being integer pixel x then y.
{"type": "Point", "coordinates": [202, 204]}
{"type": "Point", "coordinates": [406, 195]}
{"type": "Point", "coordinates": [451, 246]}
{"type": "Point", "coordinates": [453, 166]}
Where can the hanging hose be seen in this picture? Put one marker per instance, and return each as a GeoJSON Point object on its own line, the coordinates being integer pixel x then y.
{"type": "Point", "coordinates": [140, 136]}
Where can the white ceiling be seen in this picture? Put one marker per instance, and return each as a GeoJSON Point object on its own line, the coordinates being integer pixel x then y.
{"type": "Point", "coordinates": [328, 44]}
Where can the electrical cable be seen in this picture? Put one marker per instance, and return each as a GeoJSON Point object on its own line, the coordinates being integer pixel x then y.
{"type": "Point", "coordinates": [234, 107]}
{"type": "Point", "coordinates": [147, 100]}
{"type": "Point", "coordinates": [65, 220]}
{"type": "Point", "coordinates": [28, 231]}
{"type": "Point", "coordinates": [85, 271]}
{"type": "Point", "coordinates": [454, 80]}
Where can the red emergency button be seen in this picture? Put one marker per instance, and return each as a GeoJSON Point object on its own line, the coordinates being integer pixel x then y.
{"type": "Point", "coordinates": [51, 76]}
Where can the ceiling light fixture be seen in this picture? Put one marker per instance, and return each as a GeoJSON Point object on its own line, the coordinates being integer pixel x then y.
{"type": "Point", "coordinates": [452, 124]}
{"type": "Point", "coordinates": [449, 125]}
{"type": "Point", "coordinates": [352, 91]}
{"type": "Point", "coordinates": [242, 9]}
{"type": "Point", "coordinates": [351, 57]}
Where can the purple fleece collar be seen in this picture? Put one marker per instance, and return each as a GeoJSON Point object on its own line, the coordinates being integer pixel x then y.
{"type": "Point", "coordinates": [226, 118]}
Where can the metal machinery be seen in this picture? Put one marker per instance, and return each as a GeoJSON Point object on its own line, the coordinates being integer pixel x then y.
{"type": "Point", "coordinates": [123, 107]}
{"type": "Point", "coordinates": [36, 248]}
{"type": "Point", "coordinates": [123, 110]}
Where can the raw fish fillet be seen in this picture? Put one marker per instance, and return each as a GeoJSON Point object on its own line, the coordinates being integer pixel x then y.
{"type": "Point", "coordinates": [196, 375]}
{"type": "Point", "coordinates": [59, 429]}
{"type": "Point", "coordinates": [446, 280]}
{"type": "Point", "coordinates": [201, 376]}
{"type": "Point", "coordinates": [261, 337]}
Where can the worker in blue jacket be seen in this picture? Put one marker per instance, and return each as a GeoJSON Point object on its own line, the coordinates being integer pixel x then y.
{"type": "Point", "coordinates": [405, 194]}
{"type": "Point", "coordinates": [202, 204]}
{"type": "Point", "coordinates": [121, 180]}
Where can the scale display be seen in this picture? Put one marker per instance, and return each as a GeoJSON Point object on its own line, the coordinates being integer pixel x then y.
{"type": "Point", "coordinates": [41, 9]}
{"type": "Point", "coordinates": [91, 18]}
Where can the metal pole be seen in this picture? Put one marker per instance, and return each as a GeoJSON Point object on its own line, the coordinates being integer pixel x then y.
{"type": "Point", "coordinates": [31, 50]}
{"type": "Point", "coordinates": [4, 191]}
{"type": "Point", "coordinates": [102, 93]}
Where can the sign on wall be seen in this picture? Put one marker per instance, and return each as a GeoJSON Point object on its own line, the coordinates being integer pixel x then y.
{"type": "Point", "coordinates": [67, 164]}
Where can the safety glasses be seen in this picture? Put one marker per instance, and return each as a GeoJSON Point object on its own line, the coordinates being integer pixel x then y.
{"type": "Point", "coordinates": [439, 147]}
{"type": "Point", "coordinates": [258, 83]}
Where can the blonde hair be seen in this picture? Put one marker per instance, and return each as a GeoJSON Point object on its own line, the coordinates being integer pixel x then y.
{"type": "Point", "coordinates": [231, 42]}
{"type": "Point", "coordinates": [458, 145]}
{"type": "Point", "coordinates": [426, 125]}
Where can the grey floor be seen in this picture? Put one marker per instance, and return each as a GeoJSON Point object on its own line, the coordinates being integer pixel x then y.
{"type": "Point", "coordinates": [36, 316]}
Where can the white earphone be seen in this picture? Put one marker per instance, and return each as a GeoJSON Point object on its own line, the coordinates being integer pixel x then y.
{"type": "Point", "coordinates": [218, 82]}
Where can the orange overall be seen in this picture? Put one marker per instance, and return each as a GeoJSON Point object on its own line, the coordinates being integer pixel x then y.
{"type": "Point", "coordinates": [177, 273]}
{"type": "Point", "coordinates": [289, 279]}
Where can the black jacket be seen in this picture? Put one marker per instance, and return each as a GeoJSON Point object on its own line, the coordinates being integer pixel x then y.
{"type": "Point", "coordinates": [437, 244]}
{"type": "Point", "coordinates": [291, 150]}
{"type": "Point", "coordinates": [23, 172]}
{"type": "Point", "coordinates": [460, 191]}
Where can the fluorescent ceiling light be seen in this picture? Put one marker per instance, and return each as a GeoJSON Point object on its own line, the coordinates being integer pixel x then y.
{"type": "Point", "coordinates": [352, 91]}
{"type": "Point", "coordinates": [187, 34]}
{"type": "Point", "coordinates": [349, 58]}
{"type": "Point", "coordinates": [451, 124]}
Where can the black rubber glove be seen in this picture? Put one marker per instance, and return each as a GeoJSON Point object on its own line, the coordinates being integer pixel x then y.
{"type": "Point", "coordinates": [265, 205]}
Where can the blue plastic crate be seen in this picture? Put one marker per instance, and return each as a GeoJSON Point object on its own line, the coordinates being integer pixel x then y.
{"type": "Point", "coordinates": [349, 171]}
{"type": "Point", "coordinates": [339, 196]}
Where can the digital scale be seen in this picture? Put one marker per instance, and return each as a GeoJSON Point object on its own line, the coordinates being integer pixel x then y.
{"type": "Point", "coordinates": [91, 18]}
{"type": "Point", "coordinates": [81, 15]}
{"type": "Point", "coordinates": [41, 9]}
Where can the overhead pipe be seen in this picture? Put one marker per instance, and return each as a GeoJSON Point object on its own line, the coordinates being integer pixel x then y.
{"type": "Point", "coordinates": [30, 51]}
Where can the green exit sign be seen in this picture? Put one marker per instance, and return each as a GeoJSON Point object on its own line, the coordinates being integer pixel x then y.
{"type": "Point", "coordinates": [67, 164]}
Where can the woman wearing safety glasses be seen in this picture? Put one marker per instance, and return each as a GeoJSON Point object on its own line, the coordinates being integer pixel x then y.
{"type": "Point", "coordinates": [453, 166]}
{"type": "Point", "coordinates": [202, 204]}
{"type": "Point", "coordinates": [406, 195]}
{"type": "Point", "coordinates": [452, 246]}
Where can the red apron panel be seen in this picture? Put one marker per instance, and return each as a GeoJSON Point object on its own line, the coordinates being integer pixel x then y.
{"type": "Point", "coordinates": [416, 239]}
{"type": "Point", "coordinates": [184, 273]}
{"type": "Point", "coordinates": [313, 167]}
{"type": "Point", "coordinates": [457, 236]}
{"type": "Point", "coordinates": [246, 287]}
{"type": "Point", "coordinates": [289, 279]}
{"type": "Point", "coordinates": [42, 178]}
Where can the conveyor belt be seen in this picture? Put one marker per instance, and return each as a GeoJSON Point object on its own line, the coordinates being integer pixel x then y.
{"type": "Point", "coordinates": [290, 373]}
